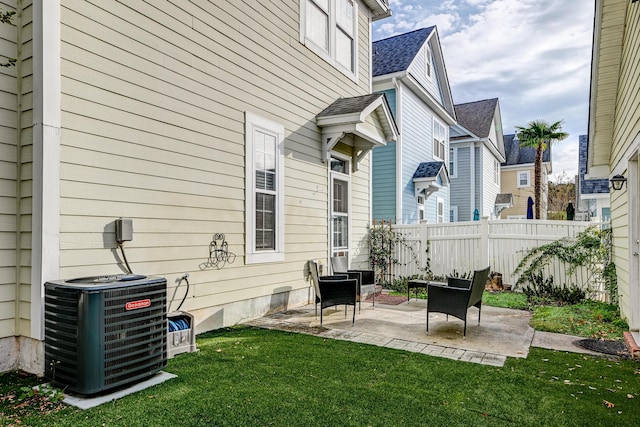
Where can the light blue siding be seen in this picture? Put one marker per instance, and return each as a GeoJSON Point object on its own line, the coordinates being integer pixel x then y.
{"type": "Point", "coordinates": [384, 174]}
{"type": "Point", "coordinates": [417, 147]}
{"type": "Point", "coordinates": [391, 99]}
{"type": "Point", "coordinates": [430, 83]}
{"type": "Point", "coordinates": [460, 185]}
{"type": "Point", "coordinates": [384, 183]}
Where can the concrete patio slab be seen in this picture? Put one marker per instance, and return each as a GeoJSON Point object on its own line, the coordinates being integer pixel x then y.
{"type": "Point", "coordinates": [502, 332]}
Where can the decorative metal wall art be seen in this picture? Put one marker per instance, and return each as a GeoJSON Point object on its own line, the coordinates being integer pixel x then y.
{"type": "Point", "coordinates": [219, 253]}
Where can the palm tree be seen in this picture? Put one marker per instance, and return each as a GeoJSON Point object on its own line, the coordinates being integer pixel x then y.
{"type": "Point", "coordinates": [539, 134]}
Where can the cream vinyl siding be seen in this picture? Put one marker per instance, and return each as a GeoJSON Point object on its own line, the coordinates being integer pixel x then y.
{"type": "Point", "coordinates": [606, 75]}
{"type": "Point", "coordinates": [154, 95]}
{"type": "Point", "coordinates": [626, 127]}
{"type": "Point", "coordinates": [508, 184]}
{"type": "Point", "coordinates": [16, 134]}
{"type": "Point", "coordinates": [8, 180]}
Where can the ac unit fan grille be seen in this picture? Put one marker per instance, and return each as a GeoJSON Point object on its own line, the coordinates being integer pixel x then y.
{"type": "Point", "coordinates": [61, 322]}
{"type": "Point", "coordinates": [135, 340]}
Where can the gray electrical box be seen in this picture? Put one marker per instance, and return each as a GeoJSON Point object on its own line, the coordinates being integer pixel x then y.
{"type": "Point", "coordinates": [124, 230]}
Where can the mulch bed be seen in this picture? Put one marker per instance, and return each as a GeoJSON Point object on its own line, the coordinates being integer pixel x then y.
{"type": "Point", "coordinates": [612, 347]}
{"type": "Point", "coordinates": [387, 299]}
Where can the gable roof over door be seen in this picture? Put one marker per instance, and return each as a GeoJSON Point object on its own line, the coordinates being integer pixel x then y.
{"type": "Point", "coordinates": [362, 122]}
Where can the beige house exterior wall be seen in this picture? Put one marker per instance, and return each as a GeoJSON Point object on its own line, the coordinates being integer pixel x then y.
{"type": "Point", "coordinates": [615, 127]}
{"type": "Point", "coordinates": [151, 126]}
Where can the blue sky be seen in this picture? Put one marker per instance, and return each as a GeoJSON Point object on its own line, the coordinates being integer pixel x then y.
{"type": "Point", "coordinates": [534, 55]}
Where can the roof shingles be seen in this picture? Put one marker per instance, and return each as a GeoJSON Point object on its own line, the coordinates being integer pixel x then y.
{"type": "Point", "coordinates": [395, 54]}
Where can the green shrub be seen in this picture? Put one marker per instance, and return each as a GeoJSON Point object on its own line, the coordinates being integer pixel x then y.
{"type": "Point", "coordinates": [541, 290]}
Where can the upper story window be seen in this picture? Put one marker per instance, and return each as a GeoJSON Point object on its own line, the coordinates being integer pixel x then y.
{"type": "Point", "coordinates": [453, 159]}
{"type": "Point", "coordinates": [329, 28]}
{"type": "Point", "coordinates": [524, 179]}
{"type": "Point", "coordinates": [427, 60]}
{"type": "Point", "coordinates": [496, 172]}
{"type": "Point", "coordinates": [264, 190]}
{"type": "Point", "coordinates": [439, 139]}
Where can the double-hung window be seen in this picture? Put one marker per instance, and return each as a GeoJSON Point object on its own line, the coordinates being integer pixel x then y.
{"type": "Point", "coordinates": [439, 139]}
{"type": "Point", "coordinates": [453, 160]}
{"type": "Point", "coordinates": [329, 28]}
{"type": "Point", "coordinates": [523, 179]}
{"type": "Point", "coordinates": [340, 201]}
{"type": "Point", "coordinates": [264, 190]}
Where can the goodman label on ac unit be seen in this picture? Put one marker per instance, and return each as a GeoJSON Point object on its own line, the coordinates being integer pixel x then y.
{"type": "Point", "coordinates": [134, 305]}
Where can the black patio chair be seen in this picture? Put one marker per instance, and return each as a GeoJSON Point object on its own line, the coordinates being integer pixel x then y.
{"type": "Point", "coordinates": [457, 296]}
{"type": "Point", "coordinates": [333, 290]}
{"type": "Point", "coordinates": [340, 265]}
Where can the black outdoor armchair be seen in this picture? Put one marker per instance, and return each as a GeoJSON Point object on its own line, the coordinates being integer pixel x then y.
{"type": "Point", "coordinates": [333, 290]}
{"type": "Point", "coordinates": [340, 265]}
{"type": "Point", "coordinates": [457, 296]}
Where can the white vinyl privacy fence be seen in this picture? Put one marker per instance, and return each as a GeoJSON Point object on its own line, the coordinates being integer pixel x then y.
{"type": "Point", "coordinates": [462, 247]}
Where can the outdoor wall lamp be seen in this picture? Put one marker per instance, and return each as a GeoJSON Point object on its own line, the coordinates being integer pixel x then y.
{"type": "Point", "coordinates": [617, 181]}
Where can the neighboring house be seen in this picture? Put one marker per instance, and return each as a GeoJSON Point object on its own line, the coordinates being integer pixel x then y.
{"type": "Point", "coordinates": [614, 138]}
{"type": "Point", "coordinates": [517, 175]}
{"type": "Point", "coordinates": [410, 178]}
{"type": "Point", "coordinates": [247, 118]}
{"type": "Point", "coordinates": [475, 155]}
{"type": "Point", "coordinates": [592, 194]}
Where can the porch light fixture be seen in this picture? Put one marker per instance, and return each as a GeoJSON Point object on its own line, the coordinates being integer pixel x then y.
{"type": "Point", "coordinates": [617, 181]}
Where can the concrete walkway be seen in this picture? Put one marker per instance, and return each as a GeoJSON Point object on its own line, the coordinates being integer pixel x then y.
{"type": "Point", "coordinates": [502, 332]}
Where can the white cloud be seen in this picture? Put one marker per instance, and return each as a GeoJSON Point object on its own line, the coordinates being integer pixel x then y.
{"type": "Point", "coordinates": [534, 55]}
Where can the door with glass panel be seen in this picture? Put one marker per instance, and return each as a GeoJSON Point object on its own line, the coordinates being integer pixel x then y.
{"type": "Point", "coordinates": [339, 227]}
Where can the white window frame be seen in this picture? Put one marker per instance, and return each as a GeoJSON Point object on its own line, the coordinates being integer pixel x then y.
{"type": "Point", "coordinates": [453, 162]}
{"type": "Point", "coordinates": [428, 64]}
{"type": "Point", "coordinates": [439, 140]}
{"type": "Point", "coordinates": [496, 172]}
{"type": "Point", "coordinates": [333, 175]}
{"type": "Point", "coordinates": [453, 214]}
{"type": "Point", "coordinates": [439, 210]}
{"type": "Point", "coordinates": [420, 199]}
{"type": "Point", "coordinates": [528, 175]}
{"type": "Point", "coordinates": [330, 54]}
{"type": "Point", "coordinates": [254, 124]}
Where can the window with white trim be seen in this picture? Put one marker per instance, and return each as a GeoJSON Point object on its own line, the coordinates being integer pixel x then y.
{"type": "Point", "coordinates": [427, 61]}
{"type": "Point", "coordinates": [496, 172]}
{"type": "Point", "coordinates": [439, 139]}
{"type": "Point", "coordinates": [340, 206]}
{"type": "Point", "coordinates": [329, 28]}
{"type": "Point", "coordinates": [264, 163]}
{"type": "Point", "coordinates": [453, 214]}
{"type": "Point", "coordinates": [524, 178]}
{"type": "Point", "coordinates": [420, 208]}
{"type": "Point", "coordinates": [453, 160]}
{"type": "Point", "coordinates": [439, 210]}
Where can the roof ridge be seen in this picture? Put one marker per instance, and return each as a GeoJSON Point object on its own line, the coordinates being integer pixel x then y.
{"type": "Point", "coordinates": [405, 34]}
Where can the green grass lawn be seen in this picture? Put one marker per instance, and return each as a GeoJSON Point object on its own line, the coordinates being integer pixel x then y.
{"type": "Point", "coordinates": [252, 377]}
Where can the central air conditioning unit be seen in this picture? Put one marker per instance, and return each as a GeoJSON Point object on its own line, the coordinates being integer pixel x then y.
{"type": "Point", "coordinates": [104, 332]}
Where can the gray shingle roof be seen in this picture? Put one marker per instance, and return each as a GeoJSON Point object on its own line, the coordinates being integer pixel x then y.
{"type": "Point", "coordinates": [516, 155]}
{"type": "Point", "coordinates": [395, 54]}
{"type": "Point", "coordinates": [351, 105]}
{"type": "Point", "coordinates": [477, 116]}
{"type": "Point", "coordinates": [428, 170]}
{"type": "Point", "coordinates": [588, 186]}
